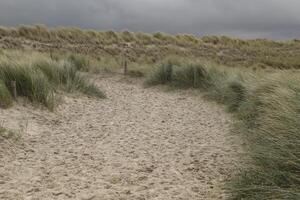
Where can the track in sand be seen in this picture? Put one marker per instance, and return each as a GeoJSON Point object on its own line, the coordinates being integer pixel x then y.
{"type": "Point", "coordinates": [136, 144]}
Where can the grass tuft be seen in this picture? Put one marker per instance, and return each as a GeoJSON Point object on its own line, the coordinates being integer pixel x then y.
{"type": "Point", "coordinates": [9, 134]}
{"type": "Point", "coordinates": [80, 62]}
{"type": "Point", "coordinates": [30, 83]}
{"type": "Point", "coordinates": [162, 75]}
{"type": "Point", "coordinates": [38, 78]}
{"type": "Point", "coordinates": [66, 75]}
{"type": "Point", "coordinates": [5, 96]}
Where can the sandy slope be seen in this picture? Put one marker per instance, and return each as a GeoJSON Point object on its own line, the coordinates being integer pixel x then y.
{"type": "Point", "coordinates": [137, 144]}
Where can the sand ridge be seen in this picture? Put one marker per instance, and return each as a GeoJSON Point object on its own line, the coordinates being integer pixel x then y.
{"type": "Point", "coordinates": [139, 143]}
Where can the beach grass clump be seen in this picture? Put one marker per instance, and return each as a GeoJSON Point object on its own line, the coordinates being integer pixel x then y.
{"type": "Point", "coordinates": [38, 78]}
{"type": "Point", "coordinates": [66, 75]}
{"type": "Point", "coordinates": [195, 76]}
{"type": "Point", "coordinates": [5, 96]}
{"type": "Point", "coordinates": [145, 38]}
{"type": "Point", "coordinates": [9, 134]}
{"type": "Point", "coordinates": [30, 83]}
{"type": "Point", "coordinates": [228, 89]}
{"type": "Point", "coordinates": [161, 75]}
{"type": "Point", "coordinates": [128, 36]}
{"type": "Point", "coordinates": [80, 62]}
{"type": "Point", "coordinates": [178, 74]}
{"type": "Point", "coordinates": [270, 123]}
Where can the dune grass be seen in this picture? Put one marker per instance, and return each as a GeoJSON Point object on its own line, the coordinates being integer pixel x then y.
{"type": "Point", "coordinates": [258, 53]}
{"type": "Point", "coordinates": [39, 77]}
{"type": "Point", "coordinates": [80, 62]}
{"type": "Point", "coordinates": [30, 83]}
{"type": "Point", "coordinates": [267, 112]}
{"type": "Point", "coordinates": [9, 134]}
{"type": "Point", "coordinates": [5, 96]}
{"type": "Point", "coordinates": [65, 75]}
{"type": "Point", "coordinates": [270, 122]}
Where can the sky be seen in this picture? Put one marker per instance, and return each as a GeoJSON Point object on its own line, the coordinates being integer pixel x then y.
{"type": "Point", "coordinates": [274, 19]}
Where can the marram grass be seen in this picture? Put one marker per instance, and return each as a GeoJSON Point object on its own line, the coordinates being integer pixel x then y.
{"type": "Point", "coordinates": [30, 83]}
{"type": "Point", "coordinates": [5, 96]}
{"type": "Point", "coordinates": [255, 53]}
{"type": "Point", "coordinates": [267, 112]}
{"type": "Point", "coordinates": [39, 77]}
{"type": "Point", "coordinates": [65, 74]}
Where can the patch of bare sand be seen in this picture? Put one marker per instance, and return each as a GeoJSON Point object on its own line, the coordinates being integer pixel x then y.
{"type": "Point", "coordinates": [137, 144]}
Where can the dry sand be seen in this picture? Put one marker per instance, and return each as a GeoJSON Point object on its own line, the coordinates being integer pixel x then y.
{"type": "Point", "coordinates": [137, 144]}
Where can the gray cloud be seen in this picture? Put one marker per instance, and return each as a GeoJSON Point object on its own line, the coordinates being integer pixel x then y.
{"type": "Point", "coordinates": [243, 18]}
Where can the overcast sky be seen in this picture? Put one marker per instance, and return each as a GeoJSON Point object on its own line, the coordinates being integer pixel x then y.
{"type": "Point", "coordinates": [278, 19]}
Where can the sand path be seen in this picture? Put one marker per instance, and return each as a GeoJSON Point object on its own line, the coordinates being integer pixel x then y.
{"type": "Point", "coordinates": [137, 144]}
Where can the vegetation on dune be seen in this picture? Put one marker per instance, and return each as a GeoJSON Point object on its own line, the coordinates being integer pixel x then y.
{"type": "Point", "coordinates": [162, 75]}
{"type": "Point", "coordinates": [5, 96]}
{"type": "Point", "coordinates": [30, 83]}
{"type": "Point", "coordinates": [256, 54]}
{"type": "Point", "coordinates": [65, 74]}
{"type": "Point", "coordinates": [39, 77]}
{"type": "Point", "coordinates": [9, 134]}
{"type": "Point", "coordinates": [80, 62]}
{"type": "Point", "coordinates": [268, 118]}
{"type": "Point", "coordinates": [177, 73]}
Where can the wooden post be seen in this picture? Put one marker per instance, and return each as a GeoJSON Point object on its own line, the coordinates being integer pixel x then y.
{"type": "Point", "coordinates": [195, 77]}
{"type": "Point", "coordinates": [125, 66]}
{"type": "Point", "coordinates": [51, 54]}
{"type": "Point", "coordinates": [14, 89]}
